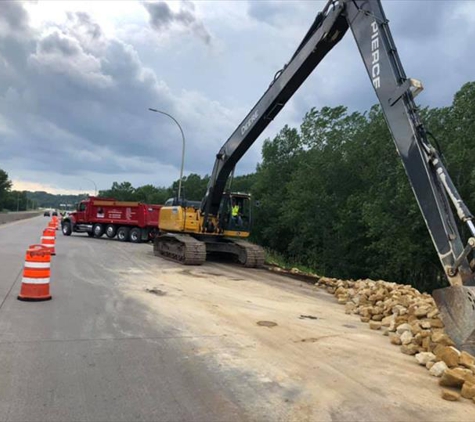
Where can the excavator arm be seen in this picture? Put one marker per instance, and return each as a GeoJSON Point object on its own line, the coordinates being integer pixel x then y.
{"type": "Point", "coordinates": [429, 179]}
{"type": "Point", "coordinates": [329, 27]}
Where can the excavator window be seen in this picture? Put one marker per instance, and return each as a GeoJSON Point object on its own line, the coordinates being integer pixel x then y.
{"type": "Point", "coordinates": [235, 213]}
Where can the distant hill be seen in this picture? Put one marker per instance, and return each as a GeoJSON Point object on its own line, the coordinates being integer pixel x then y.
{"type": "Point", "coordinates": [48, 200]}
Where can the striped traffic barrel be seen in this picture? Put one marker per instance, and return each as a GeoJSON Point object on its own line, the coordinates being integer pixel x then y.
{"type": "Point", "coordinates": [36, 274]}
{"type": "Point", "coordinates": [48, 240]}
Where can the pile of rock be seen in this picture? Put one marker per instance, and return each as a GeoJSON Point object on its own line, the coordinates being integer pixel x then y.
{"type": "Point", "coordinates": [411, 320]}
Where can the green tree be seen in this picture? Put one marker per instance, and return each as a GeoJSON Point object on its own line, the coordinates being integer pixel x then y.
{"type": "Point", "coordinates": [323, 206]}
{"type": "Point", "coordinates": [335, 196]}
{"type": "Point", "coordinates": [5, 186]}
{"type": "Point", "coordinates": [150, 194]}
{"type": "Point", "coordinates": [123, 191]}
{"type": "Point", "coordinates": [281, 156]}
{"type": "Point", "coordinates": [193, 187]}
{"type": "Point", "coordinates": [244, 183]}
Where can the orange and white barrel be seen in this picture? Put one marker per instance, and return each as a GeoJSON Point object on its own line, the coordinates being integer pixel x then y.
{"type": "Point", "coordinates": [48, 240]}
{"type": "Point", "coordinates": [36, 274]}
{"type": "Point", "coordinates": [55, 222]}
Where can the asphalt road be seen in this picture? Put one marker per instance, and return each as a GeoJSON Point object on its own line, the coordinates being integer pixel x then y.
{"type": "Point", "coordinates": [90, 353]}
{"type": "Point", "coordinates": [129, 336]}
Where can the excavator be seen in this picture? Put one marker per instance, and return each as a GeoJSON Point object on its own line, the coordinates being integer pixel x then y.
{"type": "Point", "coordinates": [222, 220]}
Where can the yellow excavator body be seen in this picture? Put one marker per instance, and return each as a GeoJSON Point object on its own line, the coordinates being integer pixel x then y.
{"type": "Point", "coordinates": [186, 238]}
{"type": "Point", "coordinates": [189, 220]}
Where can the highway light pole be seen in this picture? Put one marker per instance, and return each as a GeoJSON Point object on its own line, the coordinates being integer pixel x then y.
{"type": "Point", "coordinates": [182, 151]}
{"type": "Point", "coordinates": [92, 181]}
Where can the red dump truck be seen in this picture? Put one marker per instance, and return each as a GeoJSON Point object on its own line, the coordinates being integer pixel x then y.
{"type": "Point", "coordinates": [129, 221]}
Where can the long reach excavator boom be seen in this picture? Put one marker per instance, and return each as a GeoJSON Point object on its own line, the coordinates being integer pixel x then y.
{"type": "Point", "coordinates": [429, 179]}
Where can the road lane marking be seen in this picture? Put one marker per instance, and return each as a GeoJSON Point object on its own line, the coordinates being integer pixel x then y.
{"type": "Point", "coordinates": [11, 287]}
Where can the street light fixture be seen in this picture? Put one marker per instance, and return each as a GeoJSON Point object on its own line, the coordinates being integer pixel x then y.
{"type": "Point", "coordinates": [92, 181]}
{"type": "Point", "coordinates": [182, 151]}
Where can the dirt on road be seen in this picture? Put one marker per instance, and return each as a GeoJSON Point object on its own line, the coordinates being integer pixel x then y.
{"type": "Point", "coordinates": [288, 342]}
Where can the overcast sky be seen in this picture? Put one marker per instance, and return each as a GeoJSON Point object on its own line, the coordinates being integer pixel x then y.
{"type": "Point", "coordinates": [77, 78]}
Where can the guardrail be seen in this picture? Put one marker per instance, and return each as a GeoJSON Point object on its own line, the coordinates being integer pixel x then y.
{"type": "Point", "coordinates": [8, 217]}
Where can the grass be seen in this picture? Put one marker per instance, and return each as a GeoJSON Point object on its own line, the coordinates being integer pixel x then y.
{"type": "Point", "coordinates": [274, 258]}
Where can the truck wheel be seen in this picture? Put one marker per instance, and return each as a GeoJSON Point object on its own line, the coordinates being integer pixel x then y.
{"type": "Point", "coordinates": [111, 231]}
{"type": "Point", "coordinates": [66, 228]}
{"type": "Point", "coordinates": [98, 230]}
{"type": "Point", "coordinates": [135, 235]}
{"type": "Point", "coordinates": [123, 234]}
{"type": "Point", "coordinates": [90, 234]}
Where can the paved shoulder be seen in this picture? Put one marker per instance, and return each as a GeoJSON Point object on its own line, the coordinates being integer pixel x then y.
{"type": "Point", "coordinates": [92, 353]}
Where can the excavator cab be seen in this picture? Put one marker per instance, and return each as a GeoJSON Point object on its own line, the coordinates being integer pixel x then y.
{"type": "Point", "coordinates": [235, 214]}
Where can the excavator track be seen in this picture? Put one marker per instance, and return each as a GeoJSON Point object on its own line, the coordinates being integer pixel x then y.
{"type": "Point", "coordinates": [180, 248]}
{"type": "Point", "coordinates": [250, 255]}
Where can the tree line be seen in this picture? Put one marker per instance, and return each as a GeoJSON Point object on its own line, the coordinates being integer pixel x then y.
{"type": "Point", "coordinates": [193, 189]}
{"type": "Point", "coordinates": [334, 194]}
{"type": "Point", "coordinates": [56, 201]}
{"type": "Point", "coordinates": [12, 200]}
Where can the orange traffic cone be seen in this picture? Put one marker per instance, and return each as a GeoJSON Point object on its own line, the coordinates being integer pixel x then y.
{"type": "Point", "coordinates": [47, 240]}
{"type": "Point", "coordinates": [36, 274]}
{"type": "Point", "coordinates": [52, 225]}
{"type": "Point", "coordinates": [55, 222]}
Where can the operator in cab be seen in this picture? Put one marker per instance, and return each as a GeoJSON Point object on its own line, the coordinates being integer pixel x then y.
{"type": "Point", "coordinates": [235, 214]}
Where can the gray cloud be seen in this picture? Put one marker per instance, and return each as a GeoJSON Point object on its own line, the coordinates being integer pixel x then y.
{"type": "Point", "coordinates": [432, 38]}
{"type": "Point", "coordinates": [73, 101]}
{"type": "Point", "coordinates": [162, 18]}
{"type": "Point", "coordinates": [266, 11]}
{"type": "Point", "coordinates": [421, 19]}
{"type": "Point", "coordinates": [56, 43]}
{"type": "Point", "coordinates": [13, 17]}
{"type": "Point", "coordinates": [84, 23]}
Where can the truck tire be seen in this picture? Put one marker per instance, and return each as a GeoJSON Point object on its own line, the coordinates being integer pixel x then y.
{"type": "Point", "coordinates": [66, 228]}
{"type": "Point", "coordinates": [111, 231]}
{"type": "Point", "coordinates": [90, 234]}
{"type": "Point", "coordinates": [135, 235]}
{"type": "Point", "coordinates": [98, 230]}
{"type": "Point", "coordinates": [123, 234]}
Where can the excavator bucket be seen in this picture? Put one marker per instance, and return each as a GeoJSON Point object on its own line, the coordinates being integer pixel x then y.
{"type": "Point", "coordinates": [457, 308]}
